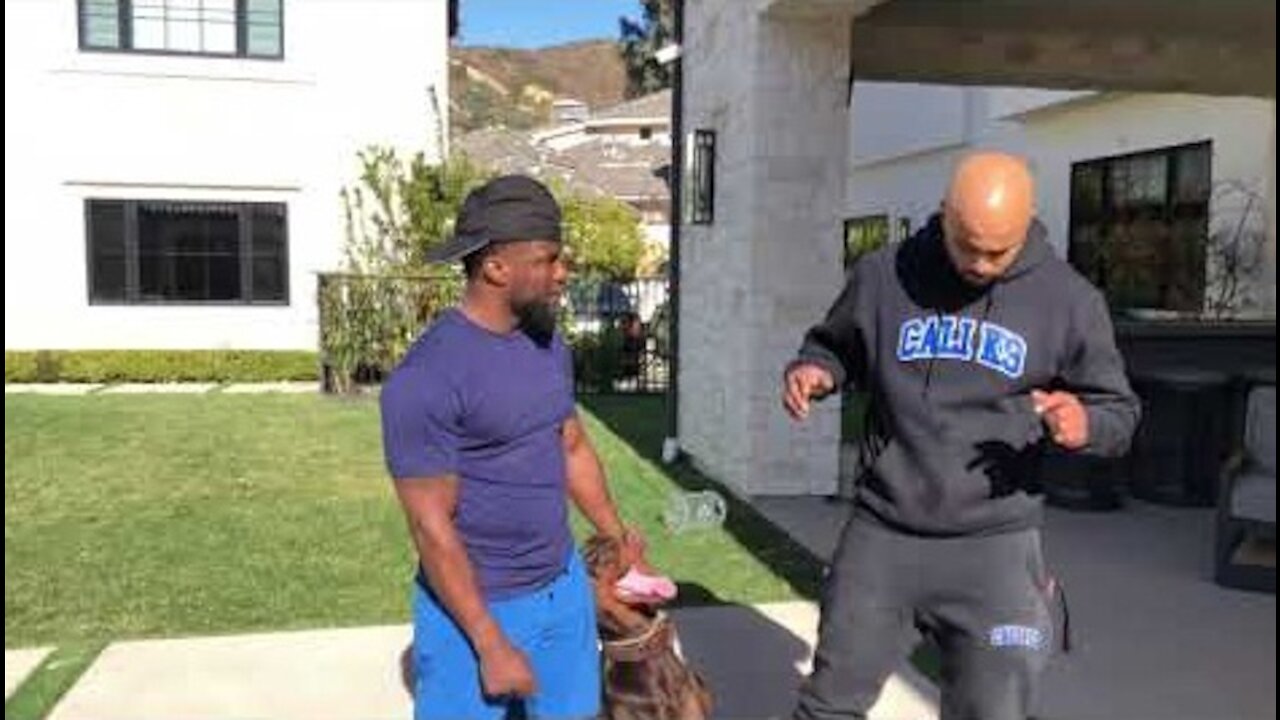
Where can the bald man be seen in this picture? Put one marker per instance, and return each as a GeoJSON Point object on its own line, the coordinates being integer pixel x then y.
{"type": "Point", "coordinates": [978, 348]}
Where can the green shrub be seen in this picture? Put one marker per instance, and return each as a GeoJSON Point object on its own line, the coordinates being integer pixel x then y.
{"type": "Point", "coordinates": [19, 367]}
{"type": "Point", "coordinates": [601, 359]}
{"type": "Point", "coordinates": [105, 366]}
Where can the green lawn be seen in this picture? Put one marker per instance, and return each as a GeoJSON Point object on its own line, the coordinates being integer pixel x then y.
{"type": "Point", "coordinates": [750, 560]}
{"type": "Point", "coordinates": [160, 515]}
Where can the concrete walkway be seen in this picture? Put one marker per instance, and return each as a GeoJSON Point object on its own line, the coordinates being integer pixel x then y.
{"type": "Point", "coordinates": [752, 657]}
{"type": "Point", "coordinates": [18, 664]}
{"type": "Point", "coordinates": [1154, 636]}
{"type": "Point", "coordinates": [351, 673]}
{"type": "Point", "coordinates": [51, 388]}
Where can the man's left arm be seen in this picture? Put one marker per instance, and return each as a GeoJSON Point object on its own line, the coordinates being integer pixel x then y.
{"type": "Point", "coordinates": [586, 482]}
{"type": "Point", "coordinates": [1097, 412]}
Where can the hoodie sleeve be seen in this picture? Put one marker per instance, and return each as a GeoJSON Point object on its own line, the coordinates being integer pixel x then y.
{"type": "Point", "coordinates": [838, 343]}
{"type": "Point", "coordinates": [1095, 373]}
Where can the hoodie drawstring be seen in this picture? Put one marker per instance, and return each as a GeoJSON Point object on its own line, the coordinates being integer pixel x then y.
{"type": "Point", "coordinates": [928, 370]}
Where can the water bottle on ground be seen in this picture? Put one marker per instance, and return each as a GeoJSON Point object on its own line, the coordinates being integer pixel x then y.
{"type": "Point", "coordinates": [694, 510]}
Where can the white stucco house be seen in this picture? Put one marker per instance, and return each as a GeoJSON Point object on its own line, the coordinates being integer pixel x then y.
{"type": "Point", "coordinates": [1158, 165]}
{"type": "Point", "coordinates": [173, 167]}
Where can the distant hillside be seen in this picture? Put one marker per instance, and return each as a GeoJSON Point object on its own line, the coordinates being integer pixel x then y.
{"type": "Point", "coordinates": [506, 87]}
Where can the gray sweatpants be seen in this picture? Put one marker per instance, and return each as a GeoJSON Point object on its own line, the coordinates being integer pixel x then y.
{"type": "Point", "coordinates": [984, 600]}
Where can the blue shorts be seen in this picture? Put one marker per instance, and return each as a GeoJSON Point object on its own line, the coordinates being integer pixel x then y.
{"type": "Point", "coordinates": [554, 626]}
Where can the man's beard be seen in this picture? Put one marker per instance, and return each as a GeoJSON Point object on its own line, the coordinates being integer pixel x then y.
{"type": "Point", "coordinates": [538, 321]}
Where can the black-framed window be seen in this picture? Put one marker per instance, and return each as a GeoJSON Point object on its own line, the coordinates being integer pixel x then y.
{"type": "Point", "coordinates": [864, 234]}
{"type": "Point", "coordinates": [699, 178]}
{"type": "Point", "coordinates": [222, 28]}
{"type": "Point", "coordinates": [1139, 225]}
{"type": "Point", "coordinates": [160, 251]}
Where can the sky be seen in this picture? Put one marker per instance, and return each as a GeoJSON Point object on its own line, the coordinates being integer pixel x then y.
{"type": "Point", "coordinates": [539, 23]}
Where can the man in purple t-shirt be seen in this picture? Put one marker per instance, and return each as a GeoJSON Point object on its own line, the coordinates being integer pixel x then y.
{"type": "Point", "coordinates": [483, 441]}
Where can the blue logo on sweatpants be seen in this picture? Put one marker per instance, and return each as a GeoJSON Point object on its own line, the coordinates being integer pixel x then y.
{"type": "Point", "coordinates": [1017, 636]}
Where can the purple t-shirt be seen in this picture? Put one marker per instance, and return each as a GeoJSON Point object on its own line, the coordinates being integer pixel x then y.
{"type": "Point", "coordinates": [489, 409]}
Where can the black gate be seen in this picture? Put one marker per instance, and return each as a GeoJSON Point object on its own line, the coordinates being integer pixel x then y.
{"type": "Point", "coordinates": [619, 334]}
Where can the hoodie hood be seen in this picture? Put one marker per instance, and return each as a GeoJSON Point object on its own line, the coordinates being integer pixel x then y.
{"type": "Point", "coordinates": [927, 274]}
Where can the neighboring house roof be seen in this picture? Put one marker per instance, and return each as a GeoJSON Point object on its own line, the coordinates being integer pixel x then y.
{"type": "Point", "coordinates": [654, 107]}
{"type": "Point", "coordinates": [559, 131]}
{"type": "Point", "coordinates": [650, 110]}
{"type": "Point", "coordinates": [503, 150]}
{"type": "Point", "coordinates": [625, 171]}
{"type": "Point", "coordinates": [597, 164]}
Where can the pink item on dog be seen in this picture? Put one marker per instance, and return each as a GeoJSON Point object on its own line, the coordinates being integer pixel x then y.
{"type": "Point", "coordinates": [636, 585]}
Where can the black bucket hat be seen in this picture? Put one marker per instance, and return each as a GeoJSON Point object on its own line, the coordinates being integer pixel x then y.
{"type": "Point", "coordinates": [507, 208]}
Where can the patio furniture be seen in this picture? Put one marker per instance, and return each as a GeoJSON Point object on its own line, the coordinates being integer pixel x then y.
{"type": "Point", "coordinates": [1075, 481]}
{"type": "Point", "coordinates": [1182, 439]}
{"type": "Point", "coordinates": [1247, 500]}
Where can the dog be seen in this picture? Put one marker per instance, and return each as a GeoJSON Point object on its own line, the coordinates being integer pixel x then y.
{"type": "Point", "coordinates": [644, 676]}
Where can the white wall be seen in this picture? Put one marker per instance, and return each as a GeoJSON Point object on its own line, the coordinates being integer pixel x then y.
{"type": "Point", "coordinates": [1053, 129]}
{"type": "Point", "coordinates": [1001, 103]}
{"type": "Point", "coordinates": [629, 132]}
{"type": "Point", "coordinates": [1238, 128]}
{"type": "Point", "coordinates": [574, 134]}
{"type": "Point", "coordinates": [906, 137]}
{"type": "Point", "coordinates": [657, 234]}
{"type": "Point", "coordinates": [910, 188]}
{"type": "Point", "coordinates": [896, 120]}
{"type": "Point", "coordinates": [81, 125]}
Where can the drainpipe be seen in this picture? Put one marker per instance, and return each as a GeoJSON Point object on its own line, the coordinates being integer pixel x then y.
{"type": "Point", "coordinates": [671, 443]}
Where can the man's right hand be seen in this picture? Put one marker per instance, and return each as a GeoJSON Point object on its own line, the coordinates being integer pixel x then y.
{"type": "Point", "coordinates": [505, 671]}
{"type": "Point", "coordinates": [803, 382]}
{"type": "Point", "coordinates": [430, 503]}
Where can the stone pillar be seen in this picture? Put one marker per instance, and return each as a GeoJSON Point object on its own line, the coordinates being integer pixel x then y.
{"type": "Point", "coordinates": [1269, 262]}
{"type": "Point", "coordinates": [774, 88]}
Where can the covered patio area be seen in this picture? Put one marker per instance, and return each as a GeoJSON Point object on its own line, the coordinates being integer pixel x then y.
{"type": "Point", "coordinates": [1154, 637]}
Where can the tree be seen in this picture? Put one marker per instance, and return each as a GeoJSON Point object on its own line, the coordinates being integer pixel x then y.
{"type": "Point", "coordinates": [400, 209]}
{"type": "Point", "coordinates": [603, 237]}
{"type": "Point", "coordinates": [640, 39]}
{"type": "Point", "coordinates": [371, 311]}
{"type": "Point", "coordinates": [1236, 250]}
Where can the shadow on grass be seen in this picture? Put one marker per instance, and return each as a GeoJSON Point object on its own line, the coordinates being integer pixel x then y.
{"type": "Point", "coordinates": [639, 421]}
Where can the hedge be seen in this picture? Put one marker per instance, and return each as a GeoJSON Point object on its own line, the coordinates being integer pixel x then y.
{"type": "Point", "coordinates": [104, 366]}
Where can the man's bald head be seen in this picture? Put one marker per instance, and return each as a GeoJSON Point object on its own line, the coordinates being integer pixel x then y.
{"type": "Point", "coordinates": [986, 214]}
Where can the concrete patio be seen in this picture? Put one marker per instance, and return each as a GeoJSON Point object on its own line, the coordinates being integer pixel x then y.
{"type": "Point", "coordinates": [1154, 637]}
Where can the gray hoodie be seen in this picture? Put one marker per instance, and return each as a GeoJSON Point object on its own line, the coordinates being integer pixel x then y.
{"type": "Point", "coordinates": [953, 443]}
